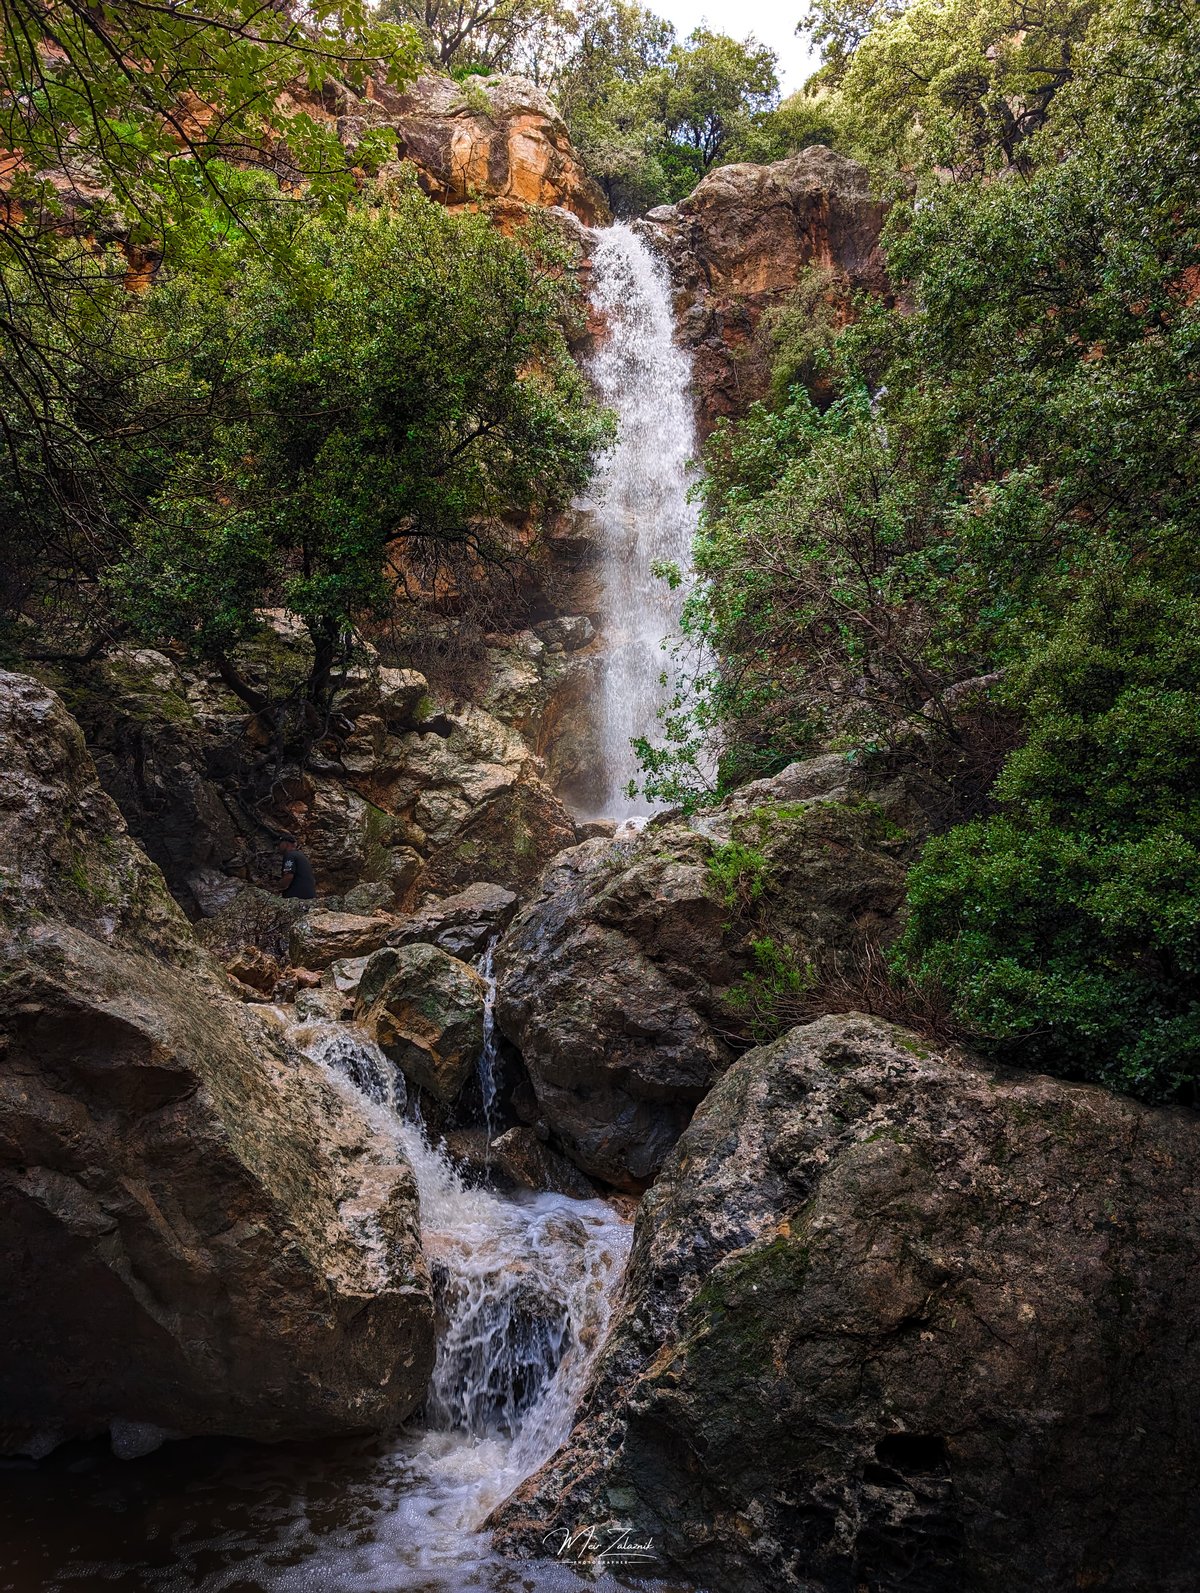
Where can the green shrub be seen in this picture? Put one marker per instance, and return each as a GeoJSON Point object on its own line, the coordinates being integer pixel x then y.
{"type": "Point", "coordinates": [738, 873]}
{"type": "Point", "coordinates": [1067, 926]}
{"type": "Point", "coordinates": [770, 995]}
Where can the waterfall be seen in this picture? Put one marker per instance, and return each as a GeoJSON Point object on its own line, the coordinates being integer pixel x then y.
{"type": "Point", "coordinates": [488, 1068]}
{"type": "Point", "coordinates": [523, 1287]}
{"type": "Point", "coordinates": [639, 502]}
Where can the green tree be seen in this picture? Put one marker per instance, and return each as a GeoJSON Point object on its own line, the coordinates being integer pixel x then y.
{"type": "Point", "coordinates": [1017, 499]}
{"type": "Point", "coordinates": [485, 35]}
{"type": "Point", "coordinates": [709, 95]}
{"type": "Point", "coordinates": [815, 115]}
{"type": "Point", "coordinates": [122, 120]}
{"type": "Point", "coordinates": [616, 46]}
{"type": "Point", "coordinates": [401, 394]}
{"type": "Point", "coordinates": [1067, 925]}
{"type": "Point", "coordinates": [838, 27]}
{"type": "Point", "coordinates": [963, 84]}
{"type": "Point", "coordinates": [129, 127]}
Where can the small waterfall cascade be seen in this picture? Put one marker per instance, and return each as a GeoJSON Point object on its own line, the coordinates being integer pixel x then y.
{"type": "Point", "coordinates": [349, 1053]}
{"type": "Point", "coordinates": [524, 1287]}
{"type": "Point", "coordinates": [640, 498]}
{"type": "Point", "coordinates": [488, 1068]}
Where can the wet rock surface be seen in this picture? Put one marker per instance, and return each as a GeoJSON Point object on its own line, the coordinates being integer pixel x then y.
{"type": "Point", "coordinates": [894, 1319]}
{"type": "Point", "coordinates": [424, 1009]}
{"type": "Point", "coordinates": [509, 839]}
{"type": "Point", "coordinates": [198, 1232]}
{"type": "Point", "coordinates": [462, 924]}
{"type": "Point", "coordinates": [520, 1158]}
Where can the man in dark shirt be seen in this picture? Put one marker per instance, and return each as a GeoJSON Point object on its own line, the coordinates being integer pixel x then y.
{"type": "Point", "coordinates": [298, 877]}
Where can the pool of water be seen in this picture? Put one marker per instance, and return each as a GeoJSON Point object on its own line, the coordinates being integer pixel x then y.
{"type": "Point", "coordinates": [220, 1516]}
{"type": "Point", "coordinates": [525, 1286]}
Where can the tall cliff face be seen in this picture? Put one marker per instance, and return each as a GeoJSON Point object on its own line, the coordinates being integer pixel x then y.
{"type": "Point", "coordinates": [740, 244]}
{"type": "Point", "coordinates": [198, 1232]}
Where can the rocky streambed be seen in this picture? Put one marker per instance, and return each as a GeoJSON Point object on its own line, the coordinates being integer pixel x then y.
{"type": "Point", "coordinates": [521, 1289]}
{"type": "Point", "coordinates": [891, 1318]}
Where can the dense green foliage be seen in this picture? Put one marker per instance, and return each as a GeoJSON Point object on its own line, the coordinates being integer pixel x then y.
{"type": "Point", "coordinates": [125, 118]}
{"type": "Point", "coordinates": [651, 114]}
{"type": "Point", "coordinates": [1004, 486]}
{"type": "Point", "coordinates": [1068, 924]}
{"type": "Point", "coordinates": [397, 392]}
{"type": "Point", "coordinates": [325, 392]}
{"type": "Point", "coordinates": [485, 35]}
{"type": "Point", "coordinates": [309, 435]}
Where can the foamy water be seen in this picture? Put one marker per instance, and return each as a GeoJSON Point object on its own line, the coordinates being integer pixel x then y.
{"type": "Point", "coordinates": [639, 500]}
{"type": "Point", "coordinates": [524, 1285]}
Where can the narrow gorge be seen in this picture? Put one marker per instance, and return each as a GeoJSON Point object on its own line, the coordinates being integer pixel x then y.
{"type": "Point", "coordinates": [571, 1191]}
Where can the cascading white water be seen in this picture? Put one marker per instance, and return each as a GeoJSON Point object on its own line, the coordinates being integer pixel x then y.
{"type": "Point", "coordinates": [524, 1287]}
{"type": "Point", "coordinates": [488, 1068]}
{"type": "Point", "coordinates": [640, 499]}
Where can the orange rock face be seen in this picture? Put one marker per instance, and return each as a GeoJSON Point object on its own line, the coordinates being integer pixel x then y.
{"type": "Point", "coordinates": [498, 143]}
{"type": "Point", "coordinates": [740, 243]}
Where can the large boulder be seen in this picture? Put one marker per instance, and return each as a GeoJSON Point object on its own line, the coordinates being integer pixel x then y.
{"type": "Point", "coordinates": [473, 794]}
{"type": "Point", "coordinates": [153, 737]}
{"type": "Point", "coordinates": [319, 937]}
{"type": "Point", "coordinates": [462, 924]}
{"type": "Point", "coordinates": [642, 967]}
{"type": "Point", "coordinates": [521, 1158]}
{"type": "Point", "coordinates": [509, 839]}
{"type": "Point", "coordinates": [425, 1011]}
{"type": "Point", "coordinates": [741, 242]}
{"type": "Point", "coordinates": [894, 1319]}
{"type": "Point", "coordinates": [200, 1232]}
{"type": "Point", "coordinates": [254, 919]}
{"type": "Point", "coordinates": [618, 1051]}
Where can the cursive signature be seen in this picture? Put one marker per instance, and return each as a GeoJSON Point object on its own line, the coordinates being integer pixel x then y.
{"type": "Point", "coordinates": [614, 1545]}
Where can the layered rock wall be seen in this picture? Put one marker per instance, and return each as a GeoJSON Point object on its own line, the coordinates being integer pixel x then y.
{"type": "Point", "coordinates": [496, 141]}
{"type": "Point", "coordinates": [740, 244]}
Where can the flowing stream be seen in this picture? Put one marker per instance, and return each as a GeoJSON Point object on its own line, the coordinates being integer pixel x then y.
{"type": "Point", "coordinates": [524, 1286]}
{"type": "Point", "coordinates": [640, 499]}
